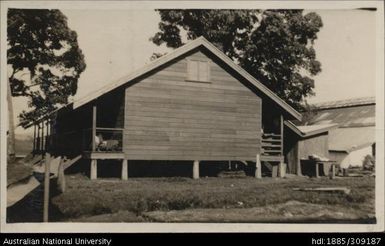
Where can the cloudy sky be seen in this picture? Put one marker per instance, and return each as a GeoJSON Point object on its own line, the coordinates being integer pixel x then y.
{"type": "Point", "coordinates": [116, 42]}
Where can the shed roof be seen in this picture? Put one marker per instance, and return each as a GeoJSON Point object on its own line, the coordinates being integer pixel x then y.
{"type": "Point", "coordinates": [308, 131]}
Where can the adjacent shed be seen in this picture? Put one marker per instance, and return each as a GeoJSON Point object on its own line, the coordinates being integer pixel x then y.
{"type": "Point", "coordinates": [355, 136]}
{"type": "Point", "coordinates": [304, 141]}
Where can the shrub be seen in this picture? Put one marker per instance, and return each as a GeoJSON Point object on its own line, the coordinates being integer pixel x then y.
{"type": "Point", "coordinates": [369, 163]}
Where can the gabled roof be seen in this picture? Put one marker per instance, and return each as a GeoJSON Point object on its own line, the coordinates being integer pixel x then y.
{"type": "Point", "coordinates": [311, 130]}
{"type": "Point", "coordinates": [201, 41]}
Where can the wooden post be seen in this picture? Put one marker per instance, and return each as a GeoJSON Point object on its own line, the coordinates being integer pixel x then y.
{"type": "Point", "coordinates": [94, 169]}
{"type": "Point", "coordinates": [274, 170]}
{"type": "Point", "coordinates": [258, 167]}
{"type": "Point", "coordinates": [317, 170]}
{"type": "Point", "coordinates": [46, 187]}
{"type": "Point", "coordinates": [333, 171]}
{"type": "Point", "coordinates": [60, 175]}
{"type": "Point", "coordinates": [93, 127]}
{"type": "Point", "coordinates": [281, 169]}
{"type": "Point", "coordinates": [196, 170]}
{"type": "Point", "coordinates": [124, 169]}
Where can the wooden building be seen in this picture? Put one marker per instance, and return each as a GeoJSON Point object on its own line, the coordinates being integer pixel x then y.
{"type": "Point", "coordinates": [194, 104]}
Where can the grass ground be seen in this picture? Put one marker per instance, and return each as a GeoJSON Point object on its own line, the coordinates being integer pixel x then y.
{"type": "Point", "coordinates": [18, 170]}
{"type": "Point", "coordinates": [184, 199]}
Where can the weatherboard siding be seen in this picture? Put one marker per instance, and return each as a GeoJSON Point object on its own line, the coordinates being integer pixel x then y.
{"type": "Point", "coordinates": [168, 117]}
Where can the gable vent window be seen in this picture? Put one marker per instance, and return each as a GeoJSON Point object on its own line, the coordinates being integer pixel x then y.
{"type": "Point", "coordinates": [198, 71]}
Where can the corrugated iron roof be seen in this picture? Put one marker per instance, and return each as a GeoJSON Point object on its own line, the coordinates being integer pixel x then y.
{"type": "Point", "coordinates": [346, 103]}
{"type": "Point", "coordinates": [308, 131]}
{"type": "Point", "coordinates": [353, 116]}
{"type": "Point", "coordinates": [356, 122]}
{"type": "Point", "coordinates": [348, 139]}
{"type": "Point", "coordinates": [314, 128]}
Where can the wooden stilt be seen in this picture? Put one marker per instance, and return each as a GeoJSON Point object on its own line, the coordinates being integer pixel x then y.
{"type": "Point", "coordinates": [274, 171]}
{"type": "Point", "coordinates": [299, 171]}
{"type": "Point", "coordinates": [124, 169]}
{"type": "Point", "coordinates": [258, 167]}
{"type": "Point", "coordinates": [333, 171]}
{"type": "Point", "coordinates": [94, 169]}
{"type": "Point", "coordinates": [46, 187]}
{"type": "Point", "coordinates": [196, 170]}
{"type": "Point", "coordinates": [281, 169]}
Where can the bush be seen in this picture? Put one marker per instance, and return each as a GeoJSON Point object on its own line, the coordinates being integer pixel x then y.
{"type": "Point", "coordinates": [369, 163]}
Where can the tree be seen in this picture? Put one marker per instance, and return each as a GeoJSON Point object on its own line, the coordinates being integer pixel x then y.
{"type": "Point", "coordinates": [275, 46]}
{"type": "Point", "coordinates": [44, 62]}
{"type": "Point", "coordinates": [44, 59]}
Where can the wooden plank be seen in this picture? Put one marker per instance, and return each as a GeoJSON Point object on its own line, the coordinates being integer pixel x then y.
{"type": "Point", "coordinates": [161, 80]}
{"type": "Point", "coordinates": [194, 115]}
{"type": "Point", "coordinates": [187, 158]}
{"type": "Point", "coordinates": [182, 136]}
{"type": "Point", "coordinates": [207, 124]}
{"type": "Point", "coordinates": [194, 119]}
{"type": "Point", "coordinates": [193, 106]}
{"type": "Point", "coordinates": [269, 145]}
{"type": "Point", "coordinates": [325, 189]}
{"type": "Point", "coordinates": [271, 135]}
{"type": "Point", "coordinates": [275, 141]}
{"type": "Point", "coordinates": [134, 99]}
{"type": "Point", "coordinates": [272, 158]}
{"type": "Point", "coordinates": [103, 155]}
{"type": "Point", "coordinates": [187, 111]}
{"type": "Point", "coordinates": [215, 88]}
{"type": "Point", "coordinates": [200, 97]}
{"type": "Point", "coordinates": [191, 128]}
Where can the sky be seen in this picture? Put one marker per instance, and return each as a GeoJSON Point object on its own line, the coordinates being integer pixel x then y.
{"type": "Point", "coordinates": [116, 42]}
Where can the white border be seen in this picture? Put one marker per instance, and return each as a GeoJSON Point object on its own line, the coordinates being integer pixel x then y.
{"type": "Point", "coordinates": [201, 227]}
